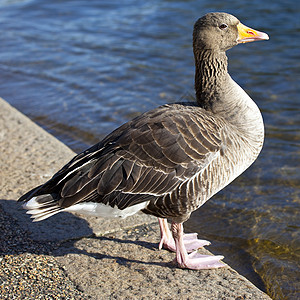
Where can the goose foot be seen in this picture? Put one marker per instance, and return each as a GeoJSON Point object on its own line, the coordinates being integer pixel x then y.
{"type": "Point", "coordinates": [195, 260]}
{"type": "Point", "coordinates": [190, 240]}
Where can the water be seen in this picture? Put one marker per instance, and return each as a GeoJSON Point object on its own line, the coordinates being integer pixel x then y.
{"type": "Point", "coordinates": [82, 68]}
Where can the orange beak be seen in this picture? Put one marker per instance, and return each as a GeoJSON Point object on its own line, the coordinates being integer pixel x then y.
{"type": "Point", "coordinates": [247, 34]}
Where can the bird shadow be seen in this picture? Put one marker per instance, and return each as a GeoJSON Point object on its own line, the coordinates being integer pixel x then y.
{"type": "Point", "coordinates": [69, 248]}
{"type": "Point", "coordinates": [59, 235]}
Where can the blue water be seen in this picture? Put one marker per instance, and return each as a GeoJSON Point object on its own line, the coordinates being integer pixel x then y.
{"type": "Point", "coordinates": [82, 68]}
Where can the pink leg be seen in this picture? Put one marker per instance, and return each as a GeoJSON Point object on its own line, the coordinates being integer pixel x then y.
{"type": "Point", "coordinates": [166, 238]}
{"type": "Point", "coordinates": [190, 240]}
{"type": "Point", "coordinates": [195, 260]}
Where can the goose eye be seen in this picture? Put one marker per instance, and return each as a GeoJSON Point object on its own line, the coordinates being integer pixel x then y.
{"type": "Point", "coordinates": [223, 26]}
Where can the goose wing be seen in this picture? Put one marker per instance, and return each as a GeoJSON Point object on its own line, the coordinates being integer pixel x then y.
{"type": "Point", "coordinates": [147, 157]}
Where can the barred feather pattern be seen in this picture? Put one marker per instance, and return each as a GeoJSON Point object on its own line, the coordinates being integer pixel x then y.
{"type": "Point", "coordinates": [174, 157]}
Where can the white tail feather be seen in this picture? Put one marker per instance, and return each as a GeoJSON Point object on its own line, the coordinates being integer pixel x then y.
{"type": "Point", "coordinates": [46, 215]}
{"type": "Point", "coordinates": [41, 210]}
{"type": "Point", "coordinates": [44, 206]}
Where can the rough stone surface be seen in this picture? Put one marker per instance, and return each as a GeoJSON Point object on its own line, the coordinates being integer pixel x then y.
{"type": "Point", "coordinates": [27, 269]}
{"type": "Point", "coordinates": [72, 257]}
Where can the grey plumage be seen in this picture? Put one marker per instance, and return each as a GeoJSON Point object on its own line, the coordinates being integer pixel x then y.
{"type": "Point", "coordinates": [150, 156]}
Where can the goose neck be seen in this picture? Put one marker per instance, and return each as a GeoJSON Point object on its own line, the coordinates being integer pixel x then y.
{"type": "Point", "coordinates": [211, 77]}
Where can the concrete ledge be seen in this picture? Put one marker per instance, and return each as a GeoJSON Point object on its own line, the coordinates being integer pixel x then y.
{"type": "Point", "coordinates": [85, 257]}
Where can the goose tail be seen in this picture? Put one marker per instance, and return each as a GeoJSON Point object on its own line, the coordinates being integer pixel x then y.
{"type": "Point", "coordinates": [42, 207]}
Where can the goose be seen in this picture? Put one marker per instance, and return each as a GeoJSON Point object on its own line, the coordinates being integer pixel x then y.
{"type": "Point", "coordinates": [168, 161]}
